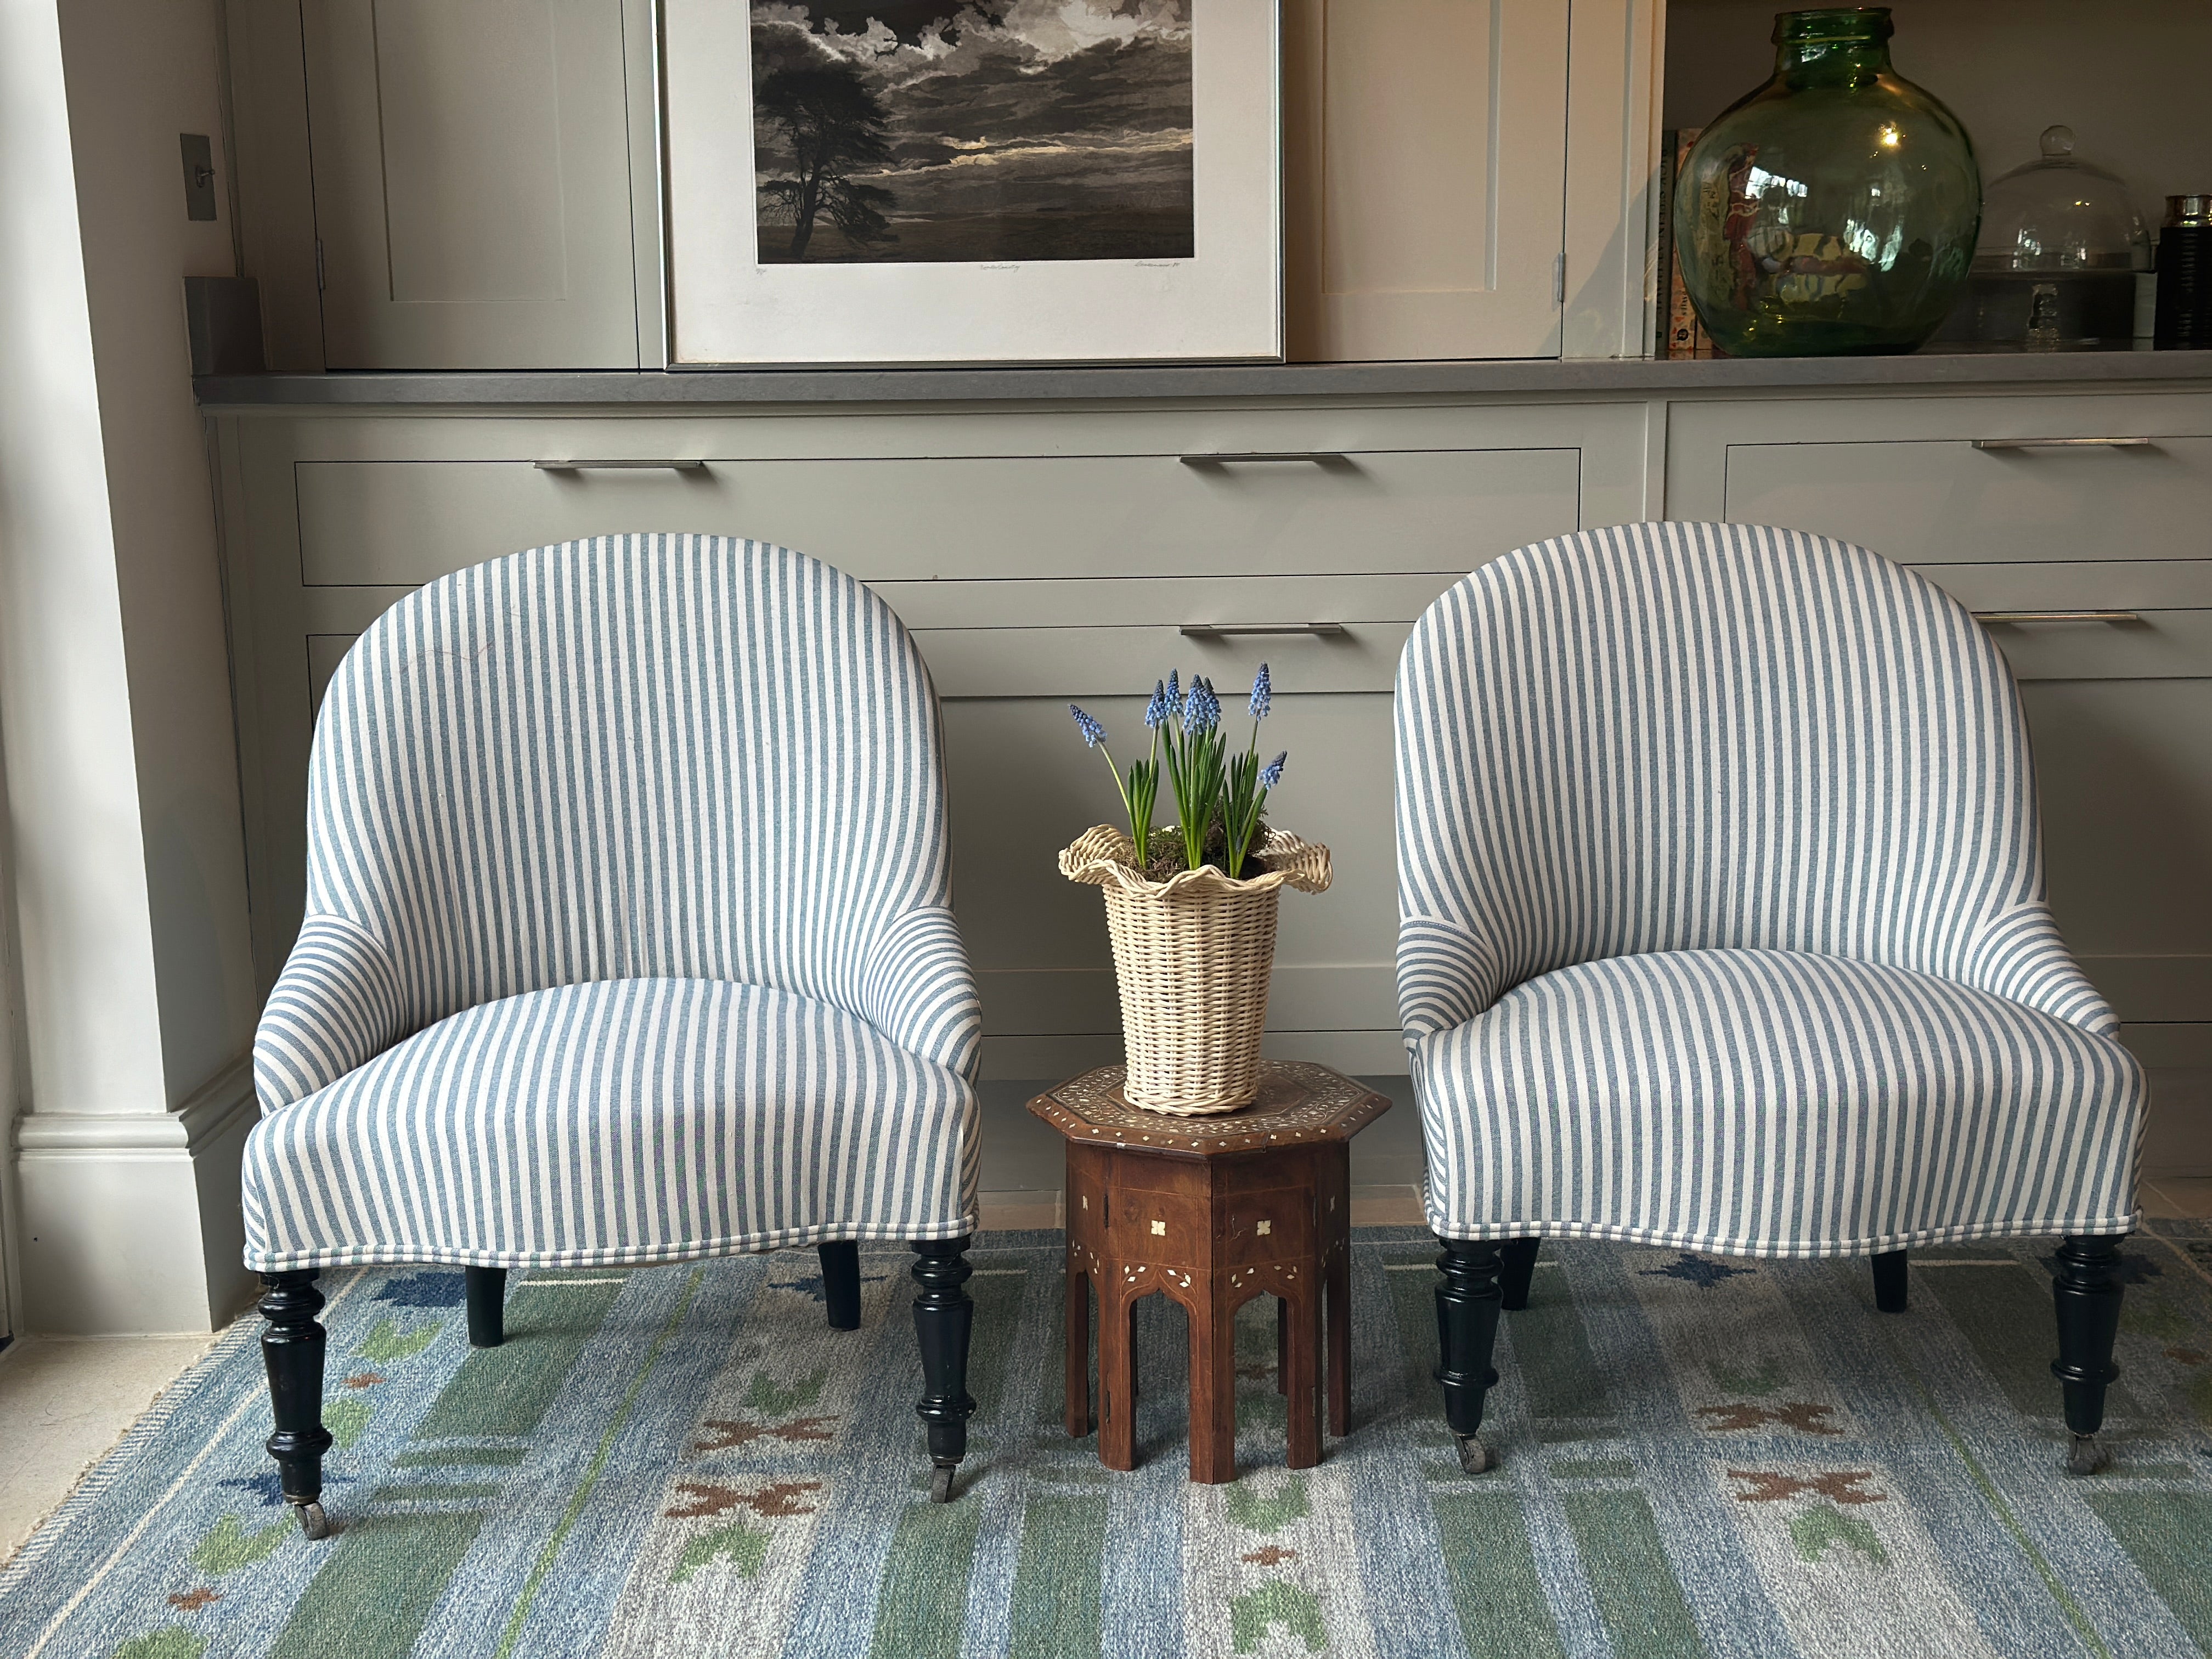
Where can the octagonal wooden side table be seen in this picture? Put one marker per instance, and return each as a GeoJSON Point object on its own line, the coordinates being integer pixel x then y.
{"type": "Point", "coordinates": [1212, 1212]}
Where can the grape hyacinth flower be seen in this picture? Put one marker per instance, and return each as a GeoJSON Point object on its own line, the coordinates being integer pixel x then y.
{"type": "Point", "coordinates": [1201, 710]}
{"type": "Point", "coordinates": [1142, 785]}
{"type": "Point", "coordinates": [1219, 795]}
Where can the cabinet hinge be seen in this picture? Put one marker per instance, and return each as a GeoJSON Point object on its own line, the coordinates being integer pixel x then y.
{"type": "Point", "coordinates": [318, 265]}
{"type": "Point", "coordinates": [1558, 279]}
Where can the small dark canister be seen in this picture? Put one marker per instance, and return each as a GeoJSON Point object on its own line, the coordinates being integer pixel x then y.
{"type": "Point", "coordinates": [2184, 275]}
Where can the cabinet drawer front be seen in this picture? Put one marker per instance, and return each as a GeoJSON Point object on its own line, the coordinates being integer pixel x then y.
{"type": "Point", "coordinates": [1093, 662]}
{"type": "Point", "coordinates": [405, 522]}
{"type": "Point", "coordinates": [2162, 630]}
{"type": "Point", "coordinates": [1948, 503]}
{"type": "Point", "coordinates": [1165, 601]}
{"type": "Point", "coordinates": [1024, 649]}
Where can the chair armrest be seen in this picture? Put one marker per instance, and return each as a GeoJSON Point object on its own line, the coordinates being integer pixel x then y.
{"type": "Point", "coordinates": [2020, 957]}
{"type": "Point", "coordinates": [918, 990]}
{"type": "Point", "coordinates": [1447, 975]}
{"type": "Point", "coordinates": [336, 1005]}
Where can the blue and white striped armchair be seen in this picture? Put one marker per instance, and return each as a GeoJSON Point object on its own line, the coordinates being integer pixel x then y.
{"type": "Point", "coordinates": [628, 941]}
{"type": "Point", "coordinates": [1721, 928]}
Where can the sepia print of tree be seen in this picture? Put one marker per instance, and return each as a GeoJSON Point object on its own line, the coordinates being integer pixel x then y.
{"type": "Point", "coordinates": [834, 127]}
{"type": "Point", "coordinates": [908, 131]}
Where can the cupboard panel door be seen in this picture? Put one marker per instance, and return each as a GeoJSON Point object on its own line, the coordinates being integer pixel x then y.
{"type": "Point", "coordinates": [1425, 156]}
{"type": "Point", "coordinates": [2124, 770]}
{"type": "Point", "coordinates": [471, 169]}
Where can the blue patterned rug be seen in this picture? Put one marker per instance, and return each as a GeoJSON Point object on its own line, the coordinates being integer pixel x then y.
{"type": "Point", "coordinates": [1699, 1457]}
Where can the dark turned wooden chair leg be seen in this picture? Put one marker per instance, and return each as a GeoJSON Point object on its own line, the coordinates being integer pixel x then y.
{"type": "Point", "coordinates": [1519, 1257]}
{"type": "Point", "coordinates": [840, 1282]}
{"type": "Point", "coordinates": [2087, 1290]}
{"type": "Point", "coordinates": [943, 1319]}
{"type": "Point", "coordinates": [292, 1348]}
{"type": "Point", "coordinates": [1890, 1292]}
{"type": "Point", "coordinates": [487, 1288]}
{"type": "Point", "coordinates": [1468, 1302]}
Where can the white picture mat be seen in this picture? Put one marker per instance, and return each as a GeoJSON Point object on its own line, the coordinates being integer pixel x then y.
{"type": "Point", "coordinates": [728, 308]}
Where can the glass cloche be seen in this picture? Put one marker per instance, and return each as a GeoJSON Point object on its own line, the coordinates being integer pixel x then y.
{"type": "Point", "coordinates": [2055, 265]}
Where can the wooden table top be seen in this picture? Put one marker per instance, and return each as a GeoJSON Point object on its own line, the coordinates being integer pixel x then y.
{"type": "Point", "coordinates": [1300, 1102]}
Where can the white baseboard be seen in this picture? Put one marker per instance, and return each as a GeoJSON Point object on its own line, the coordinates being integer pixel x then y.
{"type": "Point", "coordinates": [129, 1220]}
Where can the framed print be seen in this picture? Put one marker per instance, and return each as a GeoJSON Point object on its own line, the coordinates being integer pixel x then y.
{"type": "Point", "coordinates": [973, 181]}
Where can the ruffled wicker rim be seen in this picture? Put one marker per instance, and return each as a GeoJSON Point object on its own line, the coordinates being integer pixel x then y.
{"type": "Point", "coordinates": [1104, 857]}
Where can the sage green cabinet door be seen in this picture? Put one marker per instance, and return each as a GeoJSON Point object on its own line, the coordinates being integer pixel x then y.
{"type": "Point", "coordinates": [2123, 768]}
{"type": "Point", "coordinates": [472, 183]}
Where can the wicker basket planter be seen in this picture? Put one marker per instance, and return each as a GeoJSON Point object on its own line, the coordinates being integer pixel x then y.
{"type": "Point", "coordinates": [1193, 955]}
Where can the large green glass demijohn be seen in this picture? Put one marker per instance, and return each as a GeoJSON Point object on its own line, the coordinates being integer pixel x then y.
{"type": "Point", "coordinates": [1833, 211]}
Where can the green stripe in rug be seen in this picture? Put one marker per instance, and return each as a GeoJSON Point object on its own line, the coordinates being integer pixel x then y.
{"type": "Point", "coordinates": [1560, 1372]}
{"type": "Point", "coordinates": [1057, 1576]}
{"type": "Point", "coordinates": [1501, 1604]}
{"type": "Point", "coordinates": [2004, 1312]}
{"type": "Point", "coordinates": [998, 1298]}
{"type": "Point", "coordinates": [548, 1555]}
{"type": "Point", "coordinates": [1630, 1576]}
{"type": "Point", "coordinates": [434, 1491]}
{"type": "Point", "coordinates": [383, 1576]}
{"type": "Point", "coordinates": [458, 1456]}
{"type": "Point", "coordinates": [385, 1572]}
{"type": "Point", "coordinates": [1412, 1298]}
{"type": "Point", "coordinates": [507, 1390]}
{"type": "Point", "coordinates": [1550, 1344]}
{"type": "Point", "coordinates": [924, 1603]}
{"type": "Point", "coordinates": [2169, 1535]}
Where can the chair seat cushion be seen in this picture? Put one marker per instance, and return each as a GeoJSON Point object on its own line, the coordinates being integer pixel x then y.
{"type": "Point", "coordinates": [624, 1120]}
{"type": "Point", "coordinates": [1771, 1102]}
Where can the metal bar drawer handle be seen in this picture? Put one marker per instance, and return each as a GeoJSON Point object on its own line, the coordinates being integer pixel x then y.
{"type": "Point", "coordinates": [1235, 630]}
{"type": "Point", "coordinates": [2065, 443]}
{"type": "Point", "coordinates": [2056, 615]}
{"type": "Point", "coordinates": [1239, 457]}
{"type": "Point", "coordinates": [620, 465]}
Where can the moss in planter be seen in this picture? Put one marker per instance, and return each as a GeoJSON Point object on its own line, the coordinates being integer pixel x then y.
{"type": "Point", "coordinates": [1167, 851]}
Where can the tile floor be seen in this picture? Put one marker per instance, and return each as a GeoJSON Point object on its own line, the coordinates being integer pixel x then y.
{"type": "Point", "coordinates": [64, 1400]}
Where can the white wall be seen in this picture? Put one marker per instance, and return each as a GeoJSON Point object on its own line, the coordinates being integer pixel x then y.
{"type": "Point", "coordinates": [138, 76]}
{"type": "Point", "coordinates": [2129, 79]}
{"type": "Point", "coordinates": [114, 706]}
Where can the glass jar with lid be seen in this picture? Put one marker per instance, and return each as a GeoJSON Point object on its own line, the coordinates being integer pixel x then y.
{"type": "Point", "coordinates": [2054, 266]}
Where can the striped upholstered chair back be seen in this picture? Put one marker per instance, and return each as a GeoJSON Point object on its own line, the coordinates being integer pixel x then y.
{"type": "Point", "coordinates": [637, 757]}
{"type": "Point", "coordinates": [1665, 737]}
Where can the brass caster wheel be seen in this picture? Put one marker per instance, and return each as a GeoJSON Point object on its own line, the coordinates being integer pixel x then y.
{"type": "Point", "coordinates": [2087, 1457]}
{"type": "Point", "coordinates": [313, 1520]}
{"type": "Point", "coordinates": [1473, 1457]}
{"type": "Point", "coordinates": [940, 1482]}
